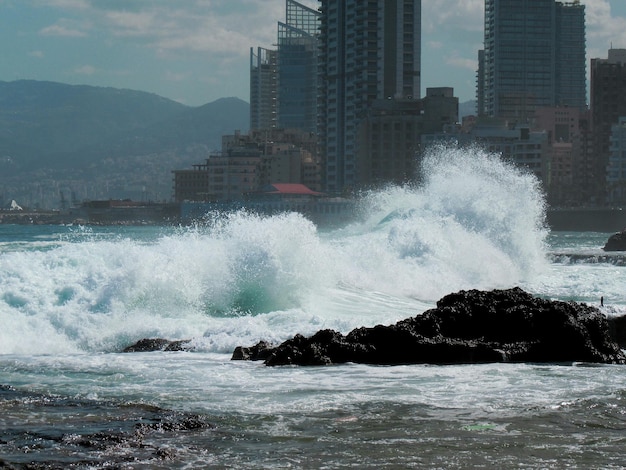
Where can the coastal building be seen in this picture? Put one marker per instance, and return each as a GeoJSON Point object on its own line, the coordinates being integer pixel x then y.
{"type": "Point", "coordinates": [222, 177]}
{"type": "Point", "coordinates": [287, 155]}
{"type": "Point", "coordinates": [248, 162]}
{"type": "Point", "coordinates": [608, 104]}
{"type": "Point", "coordinates": [390, 135]}
{"type": "Point", "coordinates": [519, 145]}
{"type": "Point", "coordinates": [569, 142]}
{"type": "Point", "coordinates": [616, 169]}
{"type": "Point", "coordinates": [368, 51]}
{"type": "Point", "coordinates": [279, 198]}
{"type": "Point", "coordinates": [191, 185]}
{"type": "Point", "coordinates": [440, 109]}
{"type": "Point", "coordinates": [304, 140]}
{"type": "Point", "coordinates": [289, 164]}
{"type": "Point", "coordinates": [534, 57]}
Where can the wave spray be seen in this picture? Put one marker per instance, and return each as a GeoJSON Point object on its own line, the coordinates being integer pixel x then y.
{"type": "Point", "coordinates": [474, 222]}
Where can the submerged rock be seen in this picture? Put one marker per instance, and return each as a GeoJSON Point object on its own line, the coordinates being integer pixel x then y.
{"type": "Point", "coordinates": [465, 327]}
{"type": "Point", "coordinates": [159, 344]}
{"type": "Point", "coordinates": [616, 242]}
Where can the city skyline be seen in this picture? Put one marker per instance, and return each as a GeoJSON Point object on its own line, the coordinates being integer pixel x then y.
{"type": "Point", "coordinates": [197, 52]}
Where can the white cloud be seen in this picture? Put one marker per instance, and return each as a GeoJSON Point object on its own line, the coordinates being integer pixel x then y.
{"type": "Point", "coordinates": [467, 15]}
{"type": "Point", "coordinates": [167, 27]}
{"type": "Point", "coordinates": [461, 62]}
{"type": "Point", "coordinates": [127, 23]}
{"type": "Point", "coordinates": [221, 27]}
{"type": "Point", "coordinates": [69, 4]}
{"type": "Point", "coordinates": [37, 54]}
{"type": "Point", "coordinates": [61, 30]}
{"type": "Point", "coordinates": [175, 76]}
{"type": "Point", "coordinates": [85, 70]}
{"type": "Point", "coordinates": [603, 28]}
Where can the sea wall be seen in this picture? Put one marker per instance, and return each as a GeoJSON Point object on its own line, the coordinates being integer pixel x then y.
{"type": "Point", "coordinates": [587, 220]}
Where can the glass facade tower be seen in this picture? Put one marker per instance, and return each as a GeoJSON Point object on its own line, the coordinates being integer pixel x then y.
{"type": "Point", "coordinates": [297, 68]}
{"type": "Point", "coordinates": [571, 64]}
{"type": "Point", "coordinates": [534, 57]}
{"type": "Point", "coordinates": [263, 90]}
{"type": "Point", "coordinates": [283, 82]}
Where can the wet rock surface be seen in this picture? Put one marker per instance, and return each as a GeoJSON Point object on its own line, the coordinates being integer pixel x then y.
{"type": "Point", "coordinates": [159, 344]}
{"type": "Point", "coordinates": [466, 327]}
{"type": "Point", "coordinates": [616, 242]}
{"type": "Point", "coordinates": [81, 434]}
{"type": "Point", "coordinates": [617, 329]}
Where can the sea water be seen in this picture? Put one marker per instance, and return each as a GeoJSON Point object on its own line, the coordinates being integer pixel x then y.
{"type": "Point", "coordinates": [72, 297]}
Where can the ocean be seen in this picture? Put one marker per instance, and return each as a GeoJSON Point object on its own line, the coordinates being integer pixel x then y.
{"type": "Point", "coordinates": [72, 297]}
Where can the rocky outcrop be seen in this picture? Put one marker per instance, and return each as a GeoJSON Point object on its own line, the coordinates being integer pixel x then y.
{"type": "Point", "coordinates": [159, 344]}
{"type": "Point", "coordinates": [617, 329]}
{"type": "Point", "coordinates": [616, 242]}
{"type": "Point", "coordinates": [113, 434]}
{"type": "Point", "coordinates": [465, 327]}
{"type": "Point", "coordinates": [259, 352]}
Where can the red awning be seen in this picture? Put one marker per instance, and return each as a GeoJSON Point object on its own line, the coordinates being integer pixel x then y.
{"type": "Point", "coordinates": [289, 188]}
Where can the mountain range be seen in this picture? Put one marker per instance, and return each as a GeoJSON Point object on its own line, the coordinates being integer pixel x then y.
{"type": "Point", "coordinates": [59, 141]}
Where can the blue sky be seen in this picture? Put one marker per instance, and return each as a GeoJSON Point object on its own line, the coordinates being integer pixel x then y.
{"type": "Point", "coordinates": [196, 51]}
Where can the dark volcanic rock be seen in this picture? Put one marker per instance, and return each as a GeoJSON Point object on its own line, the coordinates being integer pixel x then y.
{"type": "Point", "coordinates": [466, 327]}
{"type": "Point", "coordinates": [616, 242]}
{"type": "Point", "coordinates": [617, 328]}
{"type": "Point", "coordinates": [258, 352]}
{"type": "Point", "coordinates": [159, 344]}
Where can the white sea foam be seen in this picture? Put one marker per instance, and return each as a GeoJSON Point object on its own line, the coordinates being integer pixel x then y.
{"type": "Point", "coordinates": [474, 222]}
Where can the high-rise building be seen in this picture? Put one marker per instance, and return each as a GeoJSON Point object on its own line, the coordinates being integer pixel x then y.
{"type": "Point", "coordinates": [391, 133]}
{"type": "Point", "coordinates": [616, 168]}
{"type": "Point", "coordinates": [263, 88]}
{"type": "Point", "coordinates": [369, 50]}
{"type": "Point", "coordinates": [297, 68]}
{"type": "Point", "coordinates": [480, 87]}
{"type": "Point", "coordinates": [608, 104]}
{"type": "Point", "coordinates": [570, 54]}
{"type": "Point", "coordinates": [534, 57]}
{"type": "Point", "coordinates": [283, 82]}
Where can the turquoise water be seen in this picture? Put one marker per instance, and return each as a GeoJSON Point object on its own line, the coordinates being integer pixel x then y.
{"type": "Point", "coordinates": [71, 298]}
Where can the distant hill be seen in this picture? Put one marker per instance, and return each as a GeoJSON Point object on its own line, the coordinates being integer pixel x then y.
{"type": "Point", "coordinates": [467, 108]}
{"type": "Point", "coordinates": [56, 137]}
{"type": "Point", "coordinates": [205, 124]}
{"type": "Point", "coordinates": [60, 142]}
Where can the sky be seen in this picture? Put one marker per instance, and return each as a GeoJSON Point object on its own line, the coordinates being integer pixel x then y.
{"type": "Point", "coordinates": [197, 51]}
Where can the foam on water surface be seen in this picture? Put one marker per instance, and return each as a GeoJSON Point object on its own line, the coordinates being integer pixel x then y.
{"type": "Point", "coordinates": [474, 222]}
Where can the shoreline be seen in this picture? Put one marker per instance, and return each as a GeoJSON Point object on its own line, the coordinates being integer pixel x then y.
{"type": "Point", "coordinates": [602, 220]}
